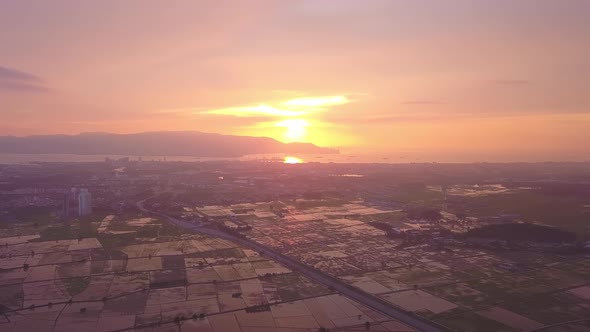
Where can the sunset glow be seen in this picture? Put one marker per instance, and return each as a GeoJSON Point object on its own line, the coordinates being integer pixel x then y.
{"type": "Point", "coordinates": [262, 109]}
{"type": "Point", "coordinates": [316, 102]}
{"type": "Point", "coordinates": [292, 160]}
{"type": "Point", "coordinates": [295, 129]}
{"type": "Point", "coordinates": [287, 116]}
{"type": "Point", "coordinates": [373, 76]}
{"type": "Point", "coordinates": [333, 140]}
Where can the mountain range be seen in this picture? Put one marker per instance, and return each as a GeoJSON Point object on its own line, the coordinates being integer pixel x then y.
{"type": "Point", "coordinates": [167, 143]}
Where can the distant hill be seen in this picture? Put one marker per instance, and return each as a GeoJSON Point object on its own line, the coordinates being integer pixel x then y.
{"type": "Point", "coordinates": [169, 143]}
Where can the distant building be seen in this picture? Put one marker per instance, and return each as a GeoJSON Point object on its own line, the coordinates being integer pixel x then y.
{"type": "Point", "coordinates": [84, 203]}
{"type": "Point", "coordinates": [66, 205]}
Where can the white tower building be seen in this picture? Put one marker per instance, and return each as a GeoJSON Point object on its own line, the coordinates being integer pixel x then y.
{"type": "Point", "coordinates": [84, 203]}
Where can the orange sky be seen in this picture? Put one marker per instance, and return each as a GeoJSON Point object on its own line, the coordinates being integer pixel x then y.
{"type": "Point", "coordinates": [456, 76]}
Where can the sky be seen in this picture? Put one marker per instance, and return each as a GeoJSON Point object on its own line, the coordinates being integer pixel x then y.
{"type": "Point", "coordinates": [500, 78]}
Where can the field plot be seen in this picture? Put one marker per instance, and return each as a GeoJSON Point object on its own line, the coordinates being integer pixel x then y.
{"type": "Point", "coordinates": [581, 292]}
{"type": "Point", "coordinates": [470, 321]}
{"type": "Point", "coordinates": [43, 292]}
{"type": "Point", "coordinates": [202, 275]}
{"type": "Point", "coordinates": [144, 264]}
{"type": "Point", "coordinates": [11, 297]}
{"type": "Point", "coordinates": [18, 239]}
{"type": "Point", "coordinates": [85, 244]}
{"type": "Point", "coordinates": [461, 294]}
{"type": "Point", "coordinates": [97, 288]}
{"type": "Point", "coordinates": [386, 279]}
{"type": "Point", "coordinates": [417, 300]}
{"type": "Point", "coordinates": [197, 283]}
{"type": "Point", "coordinates": [509, 318]}
{"type": "Point", "coordinates": [192, 282]}
{"type": "Point", "coordinates": [333, 312]}
{"type": "Point", "coordinates": [294, 286]}
{"type": "Point", "coordinates": [201, 291]}
{"type": "Point", "coordinates": [367, 284]}
{"type": "Point", "coordinates": [550, 308]}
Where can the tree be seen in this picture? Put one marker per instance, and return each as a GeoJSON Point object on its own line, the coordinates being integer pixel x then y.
{"type": "Point", "coordinates": [431, 215]}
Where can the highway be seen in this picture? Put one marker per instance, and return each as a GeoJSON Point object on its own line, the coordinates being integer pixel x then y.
{"type": "Point", "coordinates": [356, 294]}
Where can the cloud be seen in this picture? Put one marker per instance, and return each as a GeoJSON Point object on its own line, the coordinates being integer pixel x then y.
{"type": "Point", "coordinates": [404, 117]}
{"type": "Point", "coordinates": [16, 80]}
{"type": "Point", "coordinates": [178, 111]}
{"type": "Point", "coordinates": [20, 86]}
{"type": "Point", "coordinates": [423, 102]}
{"type": "Point", "coordinates": [511, 82]}
{"type": "Point", "coordinates": [17, 75]}
{"type": "Point", "coordinates": [262, 109]}
{"type": "Point", "coordinates": [289, 108]}
{"type": "Point", "coordinates": [316, 101]}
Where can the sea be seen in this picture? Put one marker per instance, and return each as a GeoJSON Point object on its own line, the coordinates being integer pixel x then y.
{"type": "Point", "coordinates": [13, 158]}
{"type": "Point", "coordinates": [346, 157]}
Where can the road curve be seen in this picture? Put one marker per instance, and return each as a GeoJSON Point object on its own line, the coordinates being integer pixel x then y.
{"type": "Point", "coordinates": [356, 294]}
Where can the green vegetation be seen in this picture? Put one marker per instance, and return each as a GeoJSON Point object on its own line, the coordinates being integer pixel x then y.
{"type": "Point", "coordinates": [35, 215]}
{"type": "Point", "coordinates": [76, 285]}
{"type": "Point", "coordinates": [567, 212]}
{"type": "Point", "coordinates": [58, 232]}
{"type": "Point", "coordinates": [461, 294]}
{"type": "Point", "coordinates": [418, 195]}
{"type": "Point", "coordinates": [422, 213]}
{"type": "Point", "coordinates": [224, 253]}
{"type": "Point", "coordinates": [158, 230]}
{"type": "Point", "coordinates": [95, 217]}
{"type": "Point", "coordinates": [83, 227]}
{"type": "Point", "coordinates": [293, 286]}
{"type": "Point", "coordinates": [10, 297]}
{"type": "Point", "coordinates": [287, 294]}
{"type": "Point", "coordinates": [547, 308]}
{"type": "Point", "coordinates": [419, 276]}
{"type": "Point", "coordinates": [521, 232]}
{"type": "Point", "coordinates": [470, 321]}
{"type": "Point", "coordinates": [110, 241]}
{"type": "Point", "coordinates": [25, 220]}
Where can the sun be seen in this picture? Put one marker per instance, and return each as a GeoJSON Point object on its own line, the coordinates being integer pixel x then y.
{"type": "Point", "coordinates": [292, 160]}
{"type": "Point", "coordinates": [295, 129]}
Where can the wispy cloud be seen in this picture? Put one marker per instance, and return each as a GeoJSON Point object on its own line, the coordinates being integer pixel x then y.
{"type": "Point", "coordinates": [17, 75]}
{"type": "Point", "coordinates": [290, 108]}
{"type": "Point", "coordinates": [181, 110]}
{"type": "Point", "coordinates": [316, 102]}
{"type": "Point", "coordinates": [16, 80]}
{"type": "Point", "coordinates": [511, 82]}
{"type": "Point", "coordinates": [21, 86]}
{"type": "Point", "coordinates": [262, 109]}
{"type": "Point", "coordinates": [423, 102]}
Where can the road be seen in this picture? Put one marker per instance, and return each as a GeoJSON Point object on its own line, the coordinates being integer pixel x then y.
{"type": "Point", "coordinates": [356, 294]}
